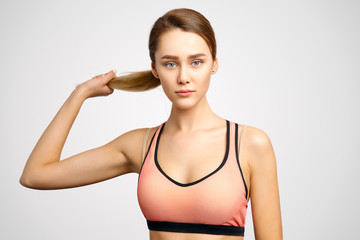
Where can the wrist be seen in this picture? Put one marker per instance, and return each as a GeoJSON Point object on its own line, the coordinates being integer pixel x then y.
{"type": "Point", "coordinates": [80, 92]}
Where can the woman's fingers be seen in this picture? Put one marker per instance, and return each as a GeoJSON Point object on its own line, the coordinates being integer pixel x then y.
{"type": "Point", "coordinates": [109, 75]}
{"type": "Point", "coordinates": [98, 76]}
{"type": "Point", "coordinates": [97, 86]}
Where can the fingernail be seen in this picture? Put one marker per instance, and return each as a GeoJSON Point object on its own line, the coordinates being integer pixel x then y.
{"type": "Point", "coordinates": [114, 71]}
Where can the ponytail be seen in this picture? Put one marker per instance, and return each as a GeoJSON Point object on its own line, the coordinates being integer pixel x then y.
{"type": "Point", "coordinates": [135, 82]}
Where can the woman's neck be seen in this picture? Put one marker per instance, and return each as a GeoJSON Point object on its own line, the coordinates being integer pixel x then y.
{"type": "Point", "coordinates": [199, 116]}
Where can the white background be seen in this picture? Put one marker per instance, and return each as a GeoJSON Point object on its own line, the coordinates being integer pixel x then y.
{"type": "Point", "coordinates": [290, 68]}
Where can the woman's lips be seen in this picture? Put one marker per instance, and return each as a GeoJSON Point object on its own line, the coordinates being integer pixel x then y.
{"type": "Point", "coordinates": [184, 93]}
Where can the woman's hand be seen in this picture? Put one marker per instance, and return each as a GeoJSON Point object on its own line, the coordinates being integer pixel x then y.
{"type": "Point", "coordinates": [97, 86]}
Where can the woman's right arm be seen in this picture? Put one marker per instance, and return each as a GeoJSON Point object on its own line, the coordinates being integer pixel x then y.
{"type": "Point", "coordinates": [44, 170]}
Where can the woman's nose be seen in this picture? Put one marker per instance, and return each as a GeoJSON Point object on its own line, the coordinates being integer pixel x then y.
{"type": "Point", "coordinates": [183, 77]}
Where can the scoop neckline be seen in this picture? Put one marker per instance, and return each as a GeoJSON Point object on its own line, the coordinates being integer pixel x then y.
{"type": "Point", "coordinates": [206, 176]}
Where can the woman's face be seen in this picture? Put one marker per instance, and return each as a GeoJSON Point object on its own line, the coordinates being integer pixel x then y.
{"type": "Point", "coordinates": [184, 65]}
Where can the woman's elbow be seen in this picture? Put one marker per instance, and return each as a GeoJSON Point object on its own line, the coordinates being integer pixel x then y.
{"type": "Point", "coordinates": [26, 181]}
{"type": "Point", "coordinates": [30, 179]}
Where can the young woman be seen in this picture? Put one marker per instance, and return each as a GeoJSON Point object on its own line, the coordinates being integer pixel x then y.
{"type": "Point", "coordinates": [197, 171]}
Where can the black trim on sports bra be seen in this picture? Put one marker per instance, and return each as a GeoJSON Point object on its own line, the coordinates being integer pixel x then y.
{"type": "Point", "coordinates": [195, 228]}
{"type": "Point", "coordinates": [203, 178]}
{"type": "Point", "coordinates": [237, 157]}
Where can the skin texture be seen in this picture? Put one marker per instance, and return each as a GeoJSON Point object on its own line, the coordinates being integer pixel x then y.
{"type": "Point", "coordinates": [192, 127]}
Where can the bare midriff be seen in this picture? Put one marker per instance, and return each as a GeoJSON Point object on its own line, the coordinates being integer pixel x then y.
{"type": "Point", "coordinates": [158, 235]}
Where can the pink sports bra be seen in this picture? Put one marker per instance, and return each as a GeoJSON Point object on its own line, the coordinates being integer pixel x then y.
{"type": "Point", "coordinates": [214, 204]}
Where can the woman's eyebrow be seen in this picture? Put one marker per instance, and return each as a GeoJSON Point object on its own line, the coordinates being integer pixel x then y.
{"type": "Point", "coordinates": [171, 57]}
{"type": "Point", "coordinates": [197, 55]}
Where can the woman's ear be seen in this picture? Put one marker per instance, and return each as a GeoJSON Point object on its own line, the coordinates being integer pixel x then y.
{"type": "Point", "coordinates": [215, 66]}
{"type": "Point", "coordinates": [153, 69]}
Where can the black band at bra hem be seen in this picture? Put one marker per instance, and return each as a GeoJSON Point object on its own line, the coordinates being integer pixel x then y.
{"type": "Point", "coordinates": [195, 228]}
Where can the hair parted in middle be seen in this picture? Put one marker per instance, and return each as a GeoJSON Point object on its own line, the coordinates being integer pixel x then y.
{"type": "Point", "coordinates": [187, 20]}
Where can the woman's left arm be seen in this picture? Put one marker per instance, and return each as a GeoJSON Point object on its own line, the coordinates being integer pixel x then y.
{"type": "Point", "coordinates": [264, 191]}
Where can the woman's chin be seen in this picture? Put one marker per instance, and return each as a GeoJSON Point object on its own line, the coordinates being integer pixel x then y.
{"type": "Point", "coordinates": [184, 105]}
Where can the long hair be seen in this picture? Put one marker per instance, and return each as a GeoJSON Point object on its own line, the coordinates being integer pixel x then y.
{"type": "Point", "coordinates": [185, 19]}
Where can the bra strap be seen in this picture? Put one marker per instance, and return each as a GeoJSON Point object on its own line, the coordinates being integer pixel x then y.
{"type": "Point", "coordinates": [144, 144]}
{"type": "Point", "coordinates": [241, 142]}
{"type": "Point", "coordinates": [239, 153]}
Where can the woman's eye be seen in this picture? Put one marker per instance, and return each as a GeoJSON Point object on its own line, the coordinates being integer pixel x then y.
{"type": "Point", "coordinates": [170, 65]}
{"type": "Point", "coordinates": [196, 63]}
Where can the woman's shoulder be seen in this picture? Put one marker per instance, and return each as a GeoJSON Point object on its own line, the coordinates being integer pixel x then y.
{"type": "Point", "coordinates": [132, 142]}
{"type": "Point", "coordinates": [258, 149]}
{"type": "Point", "coordinates": [135, 137]}
{"type": "Point", "coordinates": [256, 138]}
{"type": "Point", "coordinates": [140, 132]}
